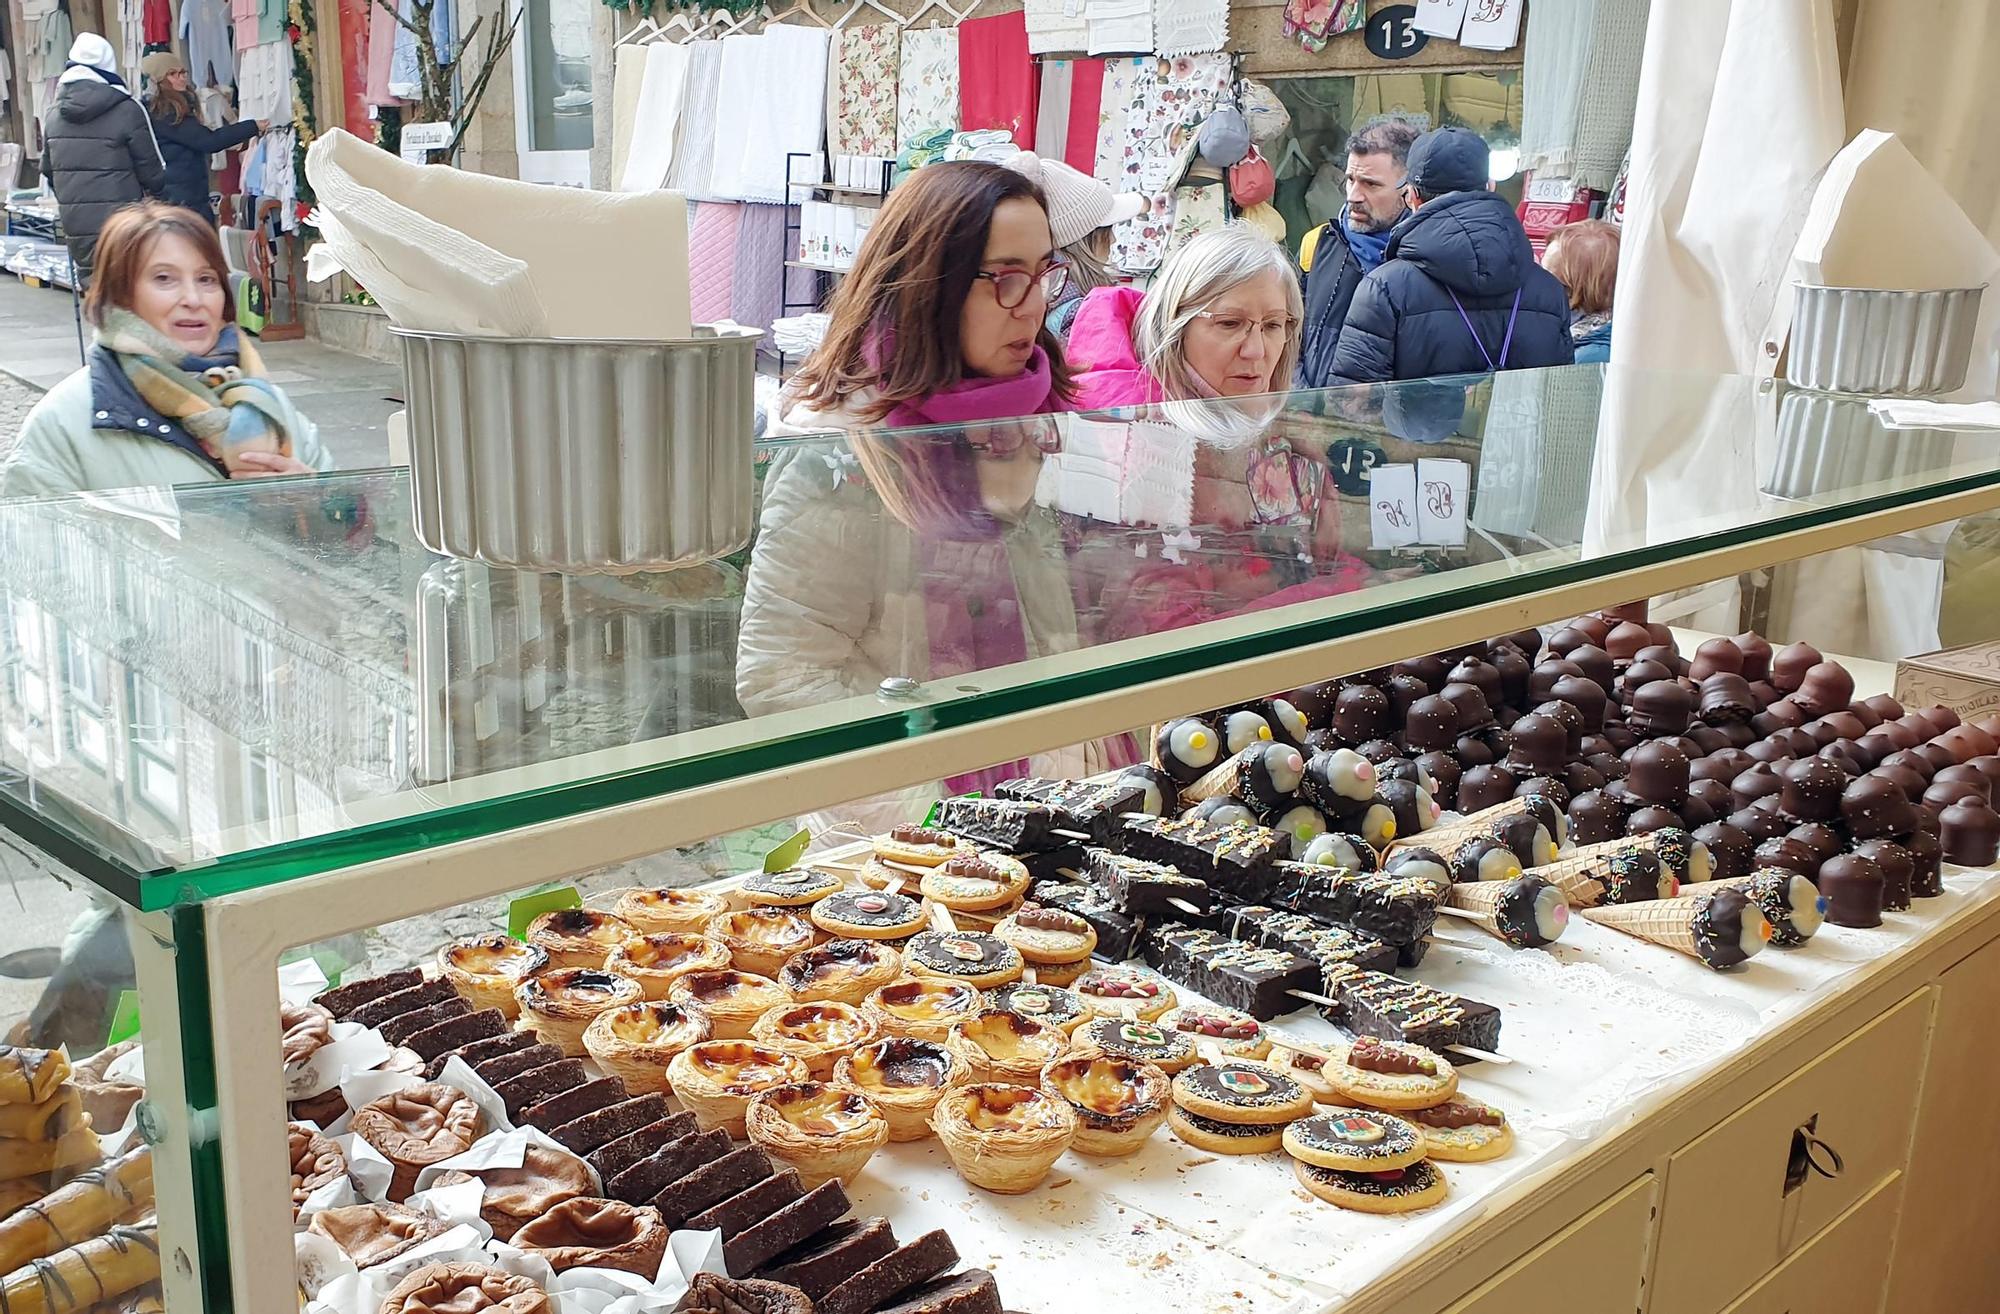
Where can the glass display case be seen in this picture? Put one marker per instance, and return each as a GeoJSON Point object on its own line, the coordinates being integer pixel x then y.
{"type": "Point", "coordinates": [256, 740]}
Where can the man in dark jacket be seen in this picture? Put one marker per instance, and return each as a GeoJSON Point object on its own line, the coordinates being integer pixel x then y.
{"type": "Point", "coordinates": [1460, 292]}
{"type": "Point", "coordinates": [97, 147]}
{"type": "Point", "coordinates": [1356, 241]}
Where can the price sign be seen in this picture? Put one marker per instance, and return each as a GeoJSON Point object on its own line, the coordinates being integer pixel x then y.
{"type": "Point", "coordinates": [1443, 490]}
{"type": "Point", "coordinates": [418, 140]}
{"type": "Point", "coordinates": [1392, 507]}
{"type": "Point", "coordinates": [1392, 33]}
{"type": "Point", "coordinates": [524, 910]}
{"type": "Point", "coordinates": [1352, 460]}
{"type": "Point", "coordinates": [787, 855]}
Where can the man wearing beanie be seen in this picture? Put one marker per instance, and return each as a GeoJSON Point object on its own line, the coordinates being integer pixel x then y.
{"type": "Point", "coordinates": [1459, 291]}
{"type": "Point", "coordinates": [97, 148]}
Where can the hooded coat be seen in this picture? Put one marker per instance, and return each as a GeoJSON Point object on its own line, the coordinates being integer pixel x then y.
{"type": "Point", "coordinates": [99, 152]}
{"type": "Point", "coordinates": [1404, 324]}
{"type": "Point", "coordinates": [1106, 365]}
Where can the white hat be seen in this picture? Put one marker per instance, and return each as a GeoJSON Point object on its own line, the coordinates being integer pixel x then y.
{"type": "Point", "coordinates": [94, 51]}
{"type": "Point", "coordinates": [1079, 204]}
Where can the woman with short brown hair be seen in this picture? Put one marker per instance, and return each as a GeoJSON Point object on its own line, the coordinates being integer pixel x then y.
{"type": "Point", "coordinates": [171, 391]}
{"type": "Point", "coordinates": [1584, 255]}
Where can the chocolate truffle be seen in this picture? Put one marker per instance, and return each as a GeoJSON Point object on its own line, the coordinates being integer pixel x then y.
{"type": "Point", "coordinates": [1706, 739]}
{"type": "Point", "coordinates": [1379, 750]}
{"type": "Point", "coordinates": [1844, 725]}
{"type": "Point", "coordinates": [1790, 854]}
{"type": "Point", "coordinates": [1361, 713]}
{"type": "Point", "coordinates": [1482, 675]}
{"type": "Point", "coordinates": [1482, 787]}
{"type": "Point", "coordinates": [1967, 742]}
{"type": "Point", "coordinates": [1812, 790]}
{"type": "Point", "coordinates": [1624, 641]}
{"type": "Point", "coordinates": [1566, 716]}
{"type": "Point", "coordinates": [1827, 687]}
{"type": "Point", "coordinates": [1969, 831]}
{"type": "Point", "coordinates": [1904, 736]}
{"type": "Point", "coordinates": [1431, 669]}
{"type": "Point", "coordinates": [1898, 866]}
{"type": "Point", "coordinates": [1821, 838]}
{"type": "Point", "coordinates": [1778, 716]}
{"type": "Point", "coordinates": [1622, 737]}
{"type": "Point", "coordinates": [1724, 765]}
{"type": "Point", "coordinates": [1927, 853]}
{"type": "Point", "coordinates": [1729, 849]}
{"type": "Point", "coordinates": [1596, 665]}
{"type": "Point", "coordinates": [1755, 783]}
{"type": "Point", "coordinates": [1789, 666]}
{"type": "Point", "coordinates": [1716, 657]}
{"type": "Point", "coordinates": [1756, 652]}
{"type": "Point", "coordinates": [1937, 755]}
{"type": "Point", "coordinates": [1646, 820]}
{"type": "Point", "coordinates": [1474, 712]}
{"type": "Point", "coordinates": [1316, 701]}
{"type": "Point", "coordinates": [1661, 708]}
{"type": "Point", "coordinates": [1568, 639]}
{"type": "Point", "coordinates": [1739, 734]}
{"type": "Point", "coordinates": [1943, 793]}
{"type": "Point", "coordinates": [1991, 725]}
{"type": "Point", "coordinates": [1473, 751]}
{"type": "Point", "coordinates": [1714, 794]}
{"type": "Point", "coordinates": [1697, 811]}
{"type": "Point", "coordinates": [1547, 787]}
{"type": "Point", "coordinates": [1586, 696]}
{"type": "Point", "coordinates": [1658, 774]}
{"type": "Point", "coordinates": [1597, 626]}
{"type": "Point", "coordinates": [1542, 680]}
{"type": "Point", "coordinates": [1759, 824]}
{"type": "Point", "coordinates": [1444, 771]}
{"type": "Point", "coordinates": [1854, 889]}
{"type": "Point", "coordinates": [1595, 818]}
{"type": "Point", "coordinates": [1988, 766]}
{"type": "Point", "coordinates": [1866, 715]}
{"type": "Point", "coordinates": [1432, 723]}
{"type": "Point", "coordinates": [1903, 777]}
{"type": "Point", "coordinates": [1637, 676]}
{"type": "Point", "coordinates": [1940, 718]}
{"type": "Point", "coordinates": [1403, 691]}
{"type": "Point", "coordinates": [1540, 745]}
{"type": "Point", "coordinates": [1883, 706]}
{"type": "Point", "coordinates": [1664, 654]}
{"type": "Point", "coordinates": [1873, 806]}
{"type": "Point", "coordinates": [1765, 693]}
{"type": "Point", "coordinates": [1514, 668]}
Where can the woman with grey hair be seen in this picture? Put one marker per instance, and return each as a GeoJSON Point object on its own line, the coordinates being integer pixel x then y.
{"type": "Point", "coordinates": [1220, 320]}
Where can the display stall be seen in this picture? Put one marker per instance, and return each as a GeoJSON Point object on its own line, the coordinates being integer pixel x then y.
{"type": "Point", "coordinates": [1431, 1001]}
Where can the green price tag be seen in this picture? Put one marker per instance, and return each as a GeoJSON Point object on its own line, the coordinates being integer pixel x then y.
{"type": "Point", "coordinates": [534, 903]}
{"type": "Point", "coordinates": [930, 818]}
{"type": "Point", "coordinates": [787, 855]}
{"type": "Point", "coordinates": [124, 1018]}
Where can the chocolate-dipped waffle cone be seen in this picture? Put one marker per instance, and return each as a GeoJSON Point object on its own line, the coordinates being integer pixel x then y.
{"type": "Point", "coordinates": [1720, 929]}
{"type": "Point", "coordinates": [1788, 901]}
{"type": "Point", "coordinates": [1261, 775]}
{"type": "Point", "coordinates": [1527, 913]}
{"type": "Point", "coordinates": [1681, 854]}
{"type": "Point", "coordinates": [1622, 872]}
{"type": "Point", "coordinates": [1487, 821]}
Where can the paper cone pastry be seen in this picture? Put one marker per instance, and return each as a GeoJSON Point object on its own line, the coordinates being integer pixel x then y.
{"type": "Point", "coordinates": [1681, 855]}
{"type": "Point", "coordinates": [1626, 872]}
{"type": "Point", "coordinates": [1791, 903]}
{"type": "Point", "coordinates": [1531, 825]}
{"type": "Point", "coordinates": [1262, 775]}
{"type": "Point", "coordinates": [1527, 913]}
{"type": "Point", "coordinates": [1186, 747]}
{"type": "Point", "coordinates": [1721, 929]}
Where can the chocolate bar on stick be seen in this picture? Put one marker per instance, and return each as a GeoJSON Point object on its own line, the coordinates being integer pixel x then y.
{"type": "Point", "coordinates": [1390, 1008]}
{"type": "Point", "coordinates": [1117, 933]}
{"type": "Point", "coordinates": [1323, 942]}
{"type": "Point", "coordinates": [1255, 979]}
{"type": "Point", "coordinates": [1399, 911]}
{"type": "Point", "coordinates": [1233, 858]}
{"type": "Point", "coordinates": [1001, 824]}
{"type": "Point", "coordinates": [1139, 888]}
{"type": "Point", "coordinates": [1081, 805]}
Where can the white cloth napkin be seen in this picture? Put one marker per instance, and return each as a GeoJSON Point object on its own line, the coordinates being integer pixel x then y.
{"type": "Point", "coordinates": [1119, 25]}
{"type": "Point", "coordinates": [1054, 25]}
{"type": "Point", "coordinates": [1909, 413]}
{"type": "Point", "coordinates": [1190, 27]}
{"type": "Point", "coordinates": [771, 102]}
{"type": "Point", "coordinates": [656, 124]}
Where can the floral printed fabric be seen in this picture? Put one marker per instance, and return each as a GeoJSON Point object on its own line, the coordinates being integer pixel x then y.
{"type": "Point", "coordinates": [866, 67]}
{"type": "Point", "coordinates": [1168, 101]}
{"type": "Point", "coordinates": [1113, 101]}
{"type": "Point", "coordinates": [927, 87]}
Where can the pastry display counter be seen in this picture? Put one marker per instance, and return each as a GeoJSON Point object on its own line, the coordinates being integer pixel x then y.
{"type": "Point", "coordinates": [264, 725]}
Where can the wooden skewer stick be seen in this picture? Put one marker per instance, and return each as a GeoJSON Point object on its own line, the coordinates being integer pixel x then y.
{"type": "Point", "coordinates": [1312, 998]}
{"type": "Point", "coordinates": [1465, 913]}
{"type": "Point", "coordinates": [1028, 976]}
{"type": "Point", "coordinates": [1486, 1055]}
{"type": "Point", "coordinates": [1186, 907]}
{"type": "Point", "coordinates": [942, 920]}
{"type": "Point", "coordinates": [1070, 872]}
{"type": "Point", "coordinates": [1072, 834]}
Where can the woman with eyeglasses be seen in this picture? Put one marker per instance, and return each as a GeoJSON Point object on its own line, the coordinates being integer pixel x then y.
{"type": "Point", "coordinates": [1220, 320]}
{"type": "Point", "coordinates": [920, 555]}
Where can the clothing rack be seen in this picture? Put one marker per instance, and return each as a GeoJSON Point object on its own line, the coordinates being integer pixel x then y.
{"type": "Point", "coordinates": [824, 276]}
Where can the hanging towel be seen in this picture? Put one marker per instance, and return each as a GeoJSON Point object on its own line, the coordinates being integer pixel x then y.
{"type": "Point", "coordinates": [1119, 25]}
{"type": "Point", "coordinates": [1054, 25]}
{"type": "Point", "coordinates": [1170, 99]}
{"type": "Point", "coordinates": [1086, 98]}
{"type": "Point", "coordinates": [381, 50]}
{"type": "Point", "coordinates": [761, 278]}
{"type": "Point", "coordinates": [771, 102]}
{"type": "Point", "coordinates": [628, 76]}
{"type": "Point", "coordinates": [997, 77]}
{"type": "Point", "coordinates": [1114, 104]}
{"type": "Point", "coordinates": [1190, 27]}
{"type": "Point", "coordinates": [1052, 110]}
{"type": "Point", "coordinates": [926, 84]}
{"type": "Point", "coordinates": [712, 260]}
{"type": "Point", "coordinates": [865, 70]}
{"type": "Point", "coordinates": [694, 163]}
{"type": "Point", "coordinates": [656, 124]}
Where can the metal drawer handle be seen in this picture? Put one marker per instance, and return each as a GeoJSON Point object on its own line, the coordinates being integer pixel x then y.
{"type": "Point", "coordinates": [1821, 1157]}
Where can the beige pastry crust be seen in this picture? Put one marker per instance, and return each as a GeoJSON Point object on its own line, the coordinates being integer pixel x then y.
{"type": "Point", "coordinates": [1001, 1138]}
{"type": "Point", "coordinates": [733, 1000]}
{"type": "Point", "coordinates": [905, 1077]}
{"type": "Point", "coordinates": [635, 1042]}
{"type": "Point", "coordinates": [579, 937]}
{"type": "Point", "coordinates": [655, 961]}
{"type": "Point", "coordinates": [1390, 1090]}
{"type": "Point", "coordinates": [1462, 1130]}
{"type": "Point", "coordinates": [925, 1008]}
{"type": "Point", "coordinates": [487, 969]}
{"type": "Point", "coordinates": [919, 846]}
{"type": "Point", "coordinates": [971, 882]}
{"type": "Point", "coordinates": [1006, 1048]}
{"type": "Point", "coordinates": [847, 971]}
{"type": "Point", "coordinates": [824, 1132]}
{"type": "Point", "coordinates": [819, 1034]}
{"type": "Point", "coordinates": [416, 1127]}
{"type": "Point", "coordinates": [1229, 1032]}
{"type": "Point", "coordinates": [656, 910]}
{"type": "Point", "coordinates": [1118, 1103]}
{"type": "Point", "coordinates": [1049, 935]}
{"type": "Point", "coordinates": [716, 1080]}
{"type": "Point", "coordinates": [1309, 1070]}
{"type": "Point", "coordinates": [761, 939]}
{"type": "Point", "coordinates": [559, 1004]}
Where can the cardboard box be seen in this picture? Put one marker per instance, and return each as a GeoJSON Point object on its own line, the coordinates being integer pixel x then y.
{"type": "Point", "coordinates": [1967, 680]}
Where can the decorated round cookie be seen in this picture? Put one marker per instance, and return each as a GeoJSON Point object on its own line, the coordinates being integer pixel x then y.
{"type": "Point", "coordinates": [1043, 1003]}
{"type": "Point", "coordinates": [1124, 992]}
{"type": "Point", "coordinates": [919, 846]}
{"type": "Point", "coordinates": [1309, 1070]}
{"type": "Point", "coordinates": [1234, 1034]}
{"type": "Point", "coordinates": [1242, 1091]}
{"type": "Point", "coordinates": [1391, 1191]}
{"type": "Point", "coordinates": [973, 882]}
{"type": "Point", "coordinates": [1219, 1137]}
{"type": "Point", "coordinates": [1147, 1042]}
{"type": "Point", "coordinates": [789, 889]}
{"type": "Point", "coordinates": [1048, 935]}
{"type": "Point", "coordinates": [1390, 1074]}
{"type": "Point", "coordinates": [1355, 1141]}
{"type": "Point", "coordinates": [869, 915]}
{"type": "Point", "coordinates": [970, 956]}
{"type": "Point", "coordinates": [1463, 1131]}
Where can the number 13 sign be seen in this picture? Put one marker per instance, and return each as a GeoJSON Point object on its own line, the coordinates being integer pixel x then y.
{"type": "Point", "coordinates": [1392, 33]}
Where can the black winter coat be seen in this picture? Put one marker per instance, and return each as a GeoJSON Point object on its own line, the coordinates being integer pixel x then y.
{"type": "Point", "coordinates": [185, 146]}
{"type": "Point", "coordinates": [99, 152]}
{"type": "Point", "coordinates": [1329, 288]}
{"type": "Point", "coordinates": [1402, 323]}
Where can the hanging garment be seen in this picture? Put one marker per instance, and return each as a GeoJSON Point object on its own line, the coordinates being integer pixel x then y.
{"type": "Point", "coordinates": [264, 82]}
{"type": "Point", "coordinates": [405, 79]}
{"type": "Point", "coordinates": [1119, 25]}
{"type": "Point", "coordinates": [1052, 110]}
{"type": "Point", "coordinates": [381, 54]}
{"type": "Point", "coordinates": [1086, 97]}
{"type": "Point", "coordinates": [1114, 104]}
{"type": "Point", "coordinates": [926, 84]}
{"type": "Point", "coordinates": [205, 32]}
{"type": "Point", "coordinates": [1198, 209]}
{"type": "Point", "coordinates": [214, 104]}
{"type": "Point", "coordinates": [771, 103]}
{"type": "Point", "coordinates": [243, 15]}
{"type": "Point", "coordinates": [274, 16]}
{"type": "Point", "coordinates": [759, 282]}
{"type": "Point", "coordinates": [864, 112]}
{"type": "Point", "coordinates": [656, 123]}
{"type": "Point", "coordinates": [694, 162]}
{"type": "Point", "coordinates": [158, 22]}
{"type": "Point", "coordinates": [1055, 25]}
{"type": "Point", "coordinates": [131, 38]}
{"type": "Point", "coordinates": [1578, 100]}
{"type": "Point", "coordinates": [712, 260]}
{"type": "Point", "coordinates": [628, 77]}
{"type": "Point", "coordinates": [997, 77]}
{"type": "Point", "coordinates": [1170, 99]}
{"type": "Point", "coordinates": [1190, 27]}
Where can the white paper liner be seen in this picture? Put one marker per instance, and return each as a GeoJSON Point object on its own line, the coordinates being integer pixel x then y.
{"type": "Point", "coordinates": [354, 1049]}
{"type": "Point", "coordinates": [506, 1149]}
{"type": "Point", "coordinates": [300, 980]}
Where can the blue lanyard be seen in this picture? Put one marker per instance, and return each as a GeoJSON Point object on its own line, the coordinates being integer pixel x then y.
{"type": "Point", "coordinates": [1506, 345]}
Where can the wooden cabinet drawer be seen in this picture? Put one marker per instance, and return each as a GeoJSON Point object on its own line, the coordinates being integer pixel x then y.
{"type": "Point", "coordinates": [1843, 1270]}
{"type": "Point", "coordinates": [1593, 1266]}
{"type": "Point", "coordinates": [1728, 1218]}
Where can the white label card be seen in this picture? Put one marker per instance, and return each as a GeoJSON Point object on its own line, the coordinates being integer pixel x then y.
{"type": "Point", "coordinates": [419, 139]}
{"type": "Point", "coordinates": [1443, 492]}
{"type": "Point", "coordinates": [1440, 18]}
{"type": "Point", "coordinates": [1392, 506]}
{"type": "Point", "coordinates": [1491, 24]}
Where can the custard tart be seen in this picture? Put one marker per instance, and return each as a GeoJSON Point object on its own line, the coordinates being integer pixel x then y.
{"type": "Point", "coordinates": [486, 969]}
{"type": "Point", "coordinates": [657, 910]}
{"type": "Point", "coordinates": [579, 937]}
{"type": "Point", "coordinates": [906, 1078]}
{"type": "Point", "coordinates": [715, 1080]}
{"type": "Point", "coordinates": [926, 1009]}
{"type": "Point", "coordinates": [823, 1132]}
{"type": "Point", "coordinates": [1118, 1103]}
{"type": "Point", "coordinates": [761, 939]}
{"type": "Point", "coordinates": [1005, 1047]}
{"type": "Point", "coordinates": [819, 1034]}
{"type": "Point", "coordinates": [655, 960]}
{"type": "Point", "coordinates": [845, 971]}
{"type": "Point", "coordinates": [635, 1042]}
{"type": "Point", "coordinates": [557, 1005]}
{"type": "Point", "coordinates": [733, 1000]}
{"type": "Point", "coordinates": [1003, 1139]}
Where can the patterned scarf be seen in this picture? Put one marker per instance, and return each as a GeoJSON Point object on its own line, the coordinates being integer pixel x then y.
{"type": "Point", "coordinates": [223, 398]}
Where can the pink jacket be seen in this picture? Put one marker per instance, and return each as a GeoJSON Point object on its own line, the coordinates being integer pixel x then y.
{"type": "Point", "coordinates": [1100, 350]}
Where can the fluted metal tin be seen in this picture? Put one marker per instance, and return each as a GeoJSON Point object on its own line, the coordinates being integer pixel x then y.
{"type": "Point", "coordinates": [582, 456]}
{"type": "Point", "coordinates": [1881, 342]}
{"type": "Point", "coordinates": [1831, 444]}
